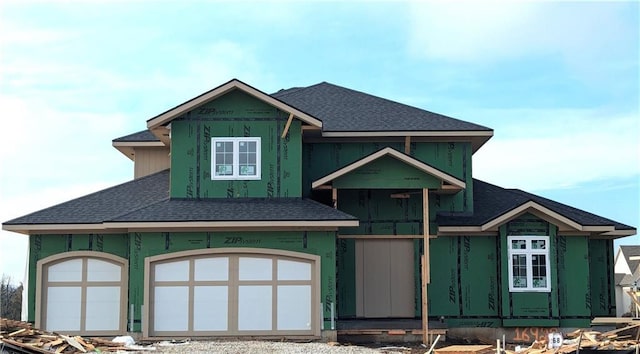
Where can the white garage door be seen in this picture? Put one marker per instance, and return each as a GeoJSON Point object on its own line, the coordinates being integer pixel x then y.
{"type": "Point", "coordinates": [238, 292]}
{"type": "Point", "coordinates": [82, 293]}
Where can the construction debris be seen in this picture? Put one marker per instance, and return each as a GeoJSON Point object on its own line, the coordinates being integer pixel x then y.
{"type": "Point", "coordinates": [21, 337]}
{"type": "Point", "coordinates": [622, 339]}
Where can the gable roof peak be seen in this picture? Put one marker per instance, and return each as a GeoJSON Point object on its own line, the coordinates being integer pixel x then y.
{"type": "Point", "coordinates": [157, 123]}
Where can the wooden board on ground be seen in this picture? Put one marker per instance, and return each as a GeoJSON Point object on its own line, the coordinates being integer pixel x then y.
{"type": "Point", "coordinates": [465, 349]}
{"type": "Point", "coordinates": [614, 320]}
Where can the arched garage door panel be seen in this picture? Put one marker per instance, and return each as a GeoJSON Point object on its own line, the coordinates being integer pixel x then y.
{"type": "Point", "coordinates": [247, 292]}
{"type": "Point", "coordinates": [82, 293]}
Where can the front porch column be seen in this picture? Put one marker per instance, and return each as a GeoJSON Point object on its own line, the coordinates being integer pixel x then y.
{"type": "Point", "coordinates": [425, 265]}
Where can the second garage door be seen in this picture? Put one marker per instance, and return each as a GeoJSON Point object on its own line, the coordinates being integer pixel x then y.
{"type": "Point", "coordinates": [233, 292]}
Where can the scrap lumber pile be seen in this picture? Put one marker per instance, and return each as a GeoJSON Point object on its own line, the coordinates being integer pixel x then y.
{"type": "Point", "coordinates": [21, 337]}
{"type": "Point", "coordinates": [622, 339]}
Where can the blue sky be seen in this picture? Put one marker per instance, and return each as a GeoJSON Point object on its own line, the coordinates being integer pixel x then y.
{"type": "Point", "coordinates": [557, 81]}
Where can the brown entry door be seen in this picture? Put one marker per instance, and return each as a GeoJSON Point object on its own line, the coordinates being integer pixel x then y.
{"type": "Point", "coordinates": [385, 278]}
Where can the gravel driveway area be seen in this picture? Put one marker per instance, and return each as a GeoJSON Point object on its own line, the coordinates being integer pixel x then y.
{"type": "Point", "coordinates": [241, 347]}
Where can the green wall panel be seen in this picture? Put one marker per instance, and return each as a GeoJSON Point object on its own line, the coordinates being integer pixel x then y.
{"type": "Point", "coordinates": [320, 159]}
{"type": "Point", "coordinates": [150, 244]}
{"type": "Point", "coordinates": [529, 308]}
{"type": "Point", "coordinates": [601, 278]}
{"type": "Point", "coordinates": [478, 267]}
{"type": "Point", "coordinates": [574, 296]}
{"type": "Point", "coordinates": [443, 292]}
{"type": "Point", "coordinates": [43, 246]}
{"type": "Point", "coordinates": [380, 214]}
{"type": "Point", "coordinates": [346, 275]}
{"type": "Point", "coordinates": [464, 286]}
{"type": "Point", "coordinates": [235, 114]}
{"type": "Point", "coordinates": [385, 173]}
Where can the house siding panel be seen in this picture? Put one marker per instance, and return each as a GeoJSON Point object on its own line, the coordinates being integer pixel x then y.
{"type": "Point", "coordinates": [235, 115]}
{"type": "Point", "coordinates": [529, 308]}
{"type": "Point", "coordinates": [464, 288]}
{"type": "Point", "coordinates": [320, 159]}
{"type": "Point", "coordinates": [574, 297]}
{"type": "Point", "coordinates": [601, 278]}
{"type": "Point", "coordinates": [150, 160]}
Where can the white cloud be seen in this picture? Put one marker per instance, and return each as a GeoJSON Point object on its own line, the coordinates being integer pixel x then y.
{"type": "Point", "coordinates": [489, 31]}
{"type": "Point", "coordinates": [550, 149]}
{"type": "Point", "coordinates": [62, 108]}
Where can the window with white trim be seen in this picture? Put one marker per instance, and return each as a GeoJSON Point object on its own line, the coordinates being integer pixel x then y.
{"type": "Point", "coordinates": [235, 158]}
{"type": "Point", "coordinates": [529, 268]}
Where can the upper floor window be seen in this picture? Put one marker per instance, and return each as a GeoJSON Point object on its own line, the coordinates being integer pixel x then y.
{"type": "Point", "coordinates": [529, 263]}
{"type": "Point", "coordinates": [235, 158]}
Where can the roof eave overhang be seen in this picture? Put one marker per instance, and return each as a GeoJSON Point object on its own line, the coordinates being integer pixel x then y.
{"type": "Point", "coordinates": [565, 224]}
{"type": "Point", "coordinates": [449, 182]}
{"type": "Point", "coordinates": [618, 233]}
{"type": "Point", "coordinates": [124, 227]}
{"type": "Point", "coordinates": [477, 137]}
{"type": "Point", "coordinates": [127, 148]}
{"type": "Point", "coordinates": [166, 117]}
{"type": "Point", "coordinates": [29, 229]}
{"type": "Point", "coordinates": [534, 208]}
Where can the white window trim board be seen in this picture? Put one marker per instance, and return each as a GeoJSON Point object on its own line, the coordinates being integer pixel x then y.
{"type": "Point", "coordinates": [529, 252]}
{"type": "Point", "coordinates": [236, 158]}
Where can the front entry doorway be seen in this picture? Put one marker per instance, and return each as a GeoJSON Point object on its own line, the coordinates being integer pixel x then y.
{"type": "Point", "coordinates": [385, 272]}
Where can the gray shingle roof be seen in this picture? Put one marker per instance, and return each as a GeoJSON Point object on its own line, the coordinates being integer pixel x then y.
{"type": "Point", "coordinates": [235, 209]}
{"type": "Point", "coordinates": [147, 200]}
{"type": "Point", "coordinates": [143, 135]}
{"type": "Point", "coordinates": [103, 205]}
{"type": "Point", "coordinates": [343, 109]}
{"type": "Point", "coordinates": [491, 201]}
{"type": "Point", "coordinates": [626, 280]}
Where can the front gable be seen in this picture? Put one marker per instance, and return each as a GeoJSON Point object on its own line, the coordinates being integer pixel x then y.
{"type": "Point", "coordinates": [389, 168]}
{"type": "Point", "coordinates": [235, 114]}
{"type": "Point", "coordinates": [386, 172]}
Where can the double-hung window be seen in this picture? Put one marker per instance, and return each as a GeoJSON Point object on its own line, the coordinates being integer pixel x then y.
{"type": "Point", "coordinates": [235, 158]}
{"type": "Point", "coordinates": [529, 263]}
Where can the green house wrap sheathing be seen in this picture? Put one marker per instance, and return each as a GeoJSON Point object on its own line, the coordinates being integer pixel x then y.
{"type": "Point", "coordinates": [464, 288]}
{"type": "Point", "coordinates": [522, 309]}
{"type": "Point", "coordinates": [150, 244]}
{"type": "Point", "coordinates": [321, 159]}
{"type": "Point", "coordinates": [573, 281]}
{"type": "Point", "coordinates": [379, 214]}
{"type": "Point", "coordinates": [387, 172]}
{"type": "Point", "coordinates": [346, 278]}
{"type": "Point", "coordinates": [236, 114]}
{"type": "Point", "coordinates": [43, 246]}
{"type": "Point", "coordinates": [601, 280]}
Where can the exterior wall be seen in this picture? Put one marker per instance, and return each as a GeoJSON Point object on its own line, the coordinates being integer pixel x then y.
{"type": "Point", "coordinates": [42, 246]}
{"type": "Point", "coordinates": [141, 245]}
{"type": "Point", "coordinates": [150, 160]}
{"type": "Point", "coordinates": [235, 114]}
{"type": "Point", "coordinates": [470, 286]}
{"type": "Point", "coordinates": [320, 159]}
{"type": "Point", "coordinates": [465, 281]}
{"type": "Point", "coordinates": [601, 267]}
{"type": "Point", "coordinates": [379, 214]}
{"type": "Point", "coordinates": [151, 244]}
{"type": "Point", "coordinates": [521, 309]}
{"type": "Point", "coordinates": [574, 295]}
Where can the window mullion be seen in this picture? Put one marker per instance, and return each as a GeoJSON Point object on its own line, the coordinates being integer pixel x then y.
{"type": "Point", "coordinates": [236, 158]}
{"type": "Point", "coordinates": [529, 270]}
